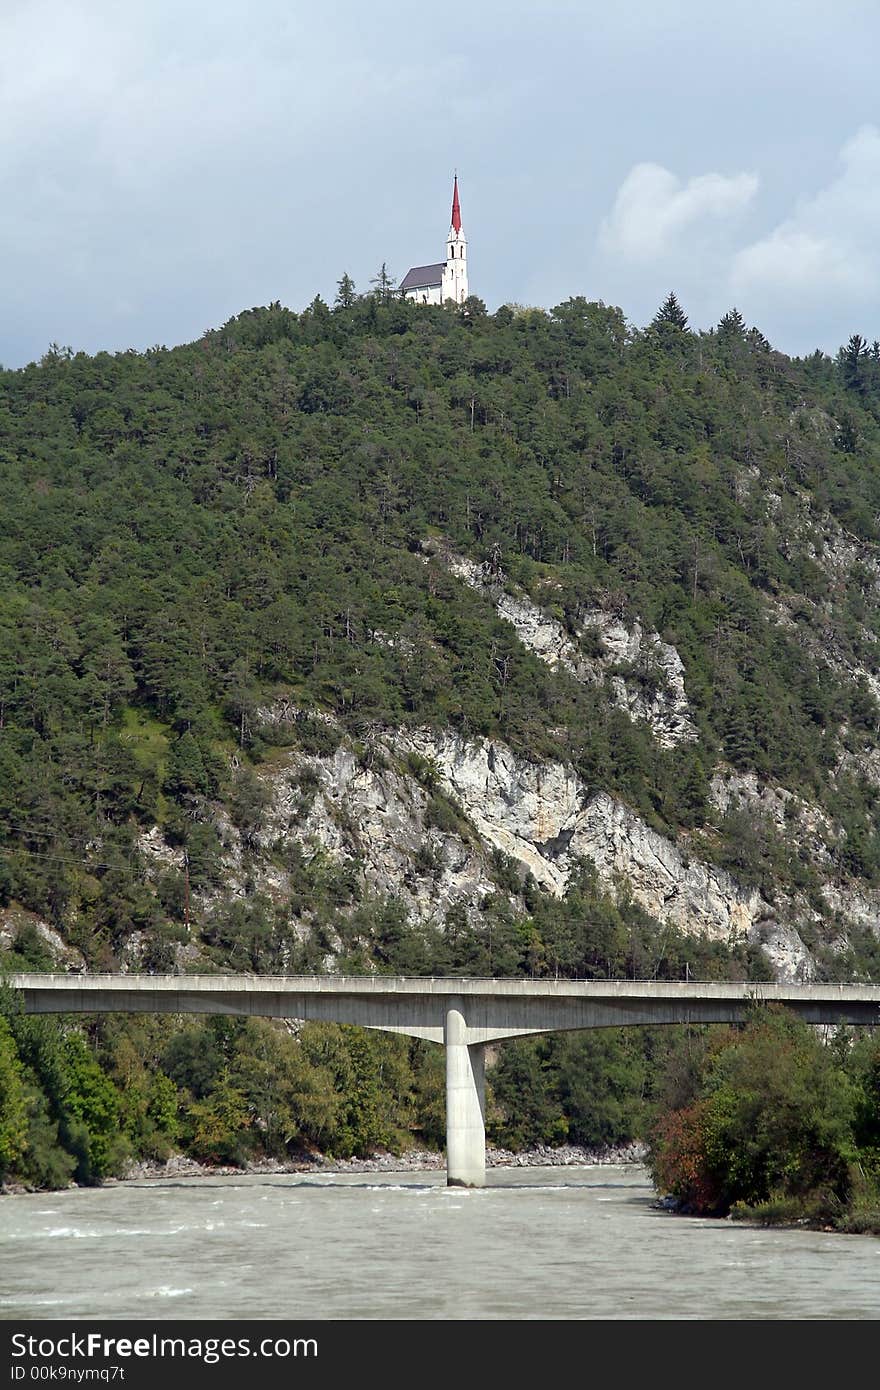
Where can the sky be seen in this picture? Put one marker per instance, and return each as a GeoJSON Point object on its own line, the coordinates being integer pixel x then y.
{"type": "Point", "coordinates": [165, 164]}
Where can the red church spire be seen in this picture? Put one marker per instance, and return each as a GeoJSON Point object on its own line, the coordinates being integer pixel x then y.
{"type": "Point", "coordinates": [456, 210]}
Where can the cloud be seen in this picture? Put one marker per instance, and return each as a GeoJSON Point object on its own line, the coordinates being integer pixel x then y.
{"type": "Point", "coordinates": [829, 243]}
{"type": "Point", "coordinates": [164, 164]}
{"type": "Point", "coordinates": [654, 210]}
{"type": "Point", "coordinates": [791, 260]}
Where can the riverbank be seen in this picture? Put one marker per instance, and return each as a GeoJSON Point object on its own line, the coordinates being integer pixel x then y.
{"type": "Point", "coordinates": [413, 1161]}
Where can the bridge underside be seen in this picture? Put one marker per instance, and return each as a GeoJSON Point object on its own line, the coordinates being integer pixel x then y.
{"type": "Point", "coordinates": [463, 1015]}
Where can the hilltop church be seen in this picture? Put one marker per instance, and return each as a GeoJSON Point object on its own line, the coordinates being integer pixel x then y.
{"type": "Point", "coordinates": [434, 284]}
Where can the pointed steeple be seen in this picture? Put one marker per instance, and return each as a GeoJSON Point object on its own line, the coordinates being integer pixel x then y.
{"type": "Point", "coordinates": [456, 210]}
{"type": "Point", "coordinates": [448, 280]}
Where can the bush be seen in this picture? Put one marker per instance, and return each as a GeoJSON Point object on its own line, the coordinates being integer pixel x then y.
{"type": "Point", "coordinates": [771, 1123]}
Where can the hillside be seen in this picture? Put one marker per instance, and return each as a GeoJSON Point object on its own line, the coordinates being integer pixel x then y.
{"type": "Point", "coordinates": [389, 637]}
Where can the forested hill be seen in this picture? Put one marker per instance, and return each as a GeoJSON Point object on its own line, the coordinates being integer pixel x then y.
{"type": "Point", "coordinates": [646, 560]}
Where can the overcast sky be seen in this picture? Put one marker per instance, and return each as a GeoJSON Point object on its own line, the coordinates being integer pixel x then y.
{"type": "Point", "coordinates": [167, 163]}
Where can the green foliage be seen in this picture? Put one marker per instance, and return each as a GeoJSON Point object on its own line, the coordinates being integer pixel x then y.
{"type": "Point", "coordinates": [444, 814]}
{"type": "Point", "coordinates": [91, 1113]}
{"type": "Point", "coordinates": [72, 1106]}
{"type": "Point", "coordinates": [671, 312]}
{"type": "Point", "coordinates": [13, 1103]}
{"type": "Point", "coordinates": [46, 1161]}
{"type": "Point", "coordinates": [29, 951]}
{"type": "Point", "coordinates": [771, 1124]}
{"type": "Point", "coordinates": [585, 1089]}
{"type": "Point", "coordinates": [524, 1087]}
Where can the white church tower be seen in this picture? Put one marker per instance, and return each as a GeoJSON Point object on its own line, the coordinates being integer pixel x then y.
{"type": "Point", "coordinates": [434, 284]}
{"type": "Point", "coordinates": [455, 281]}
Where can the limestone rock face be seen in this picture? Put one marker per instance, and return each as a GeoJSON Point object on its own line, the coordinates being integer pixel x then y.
{"type": "Point", "coordinates": [661, 699]}
{"type": "Point", "coordinates": [543, 817]}
{"type": "Point", "coordinates": [644, 674]}
{"type": "Point", "coordinates": [865, 763]}
{"type": "Point", "coordinates": [157, 853]}
{"type": "Point", "coordinates": [789, 816]}
{"type": "Point", "coordinates": [783, 947]}
{"type": "Point", "coordinates": [375, 816]}
{"type": "Point", "coordinates": [421, 815]}
{"type": "Point", "coordinates": [14, 920]}
{"type": "Point", "coordinates": [852, 905]}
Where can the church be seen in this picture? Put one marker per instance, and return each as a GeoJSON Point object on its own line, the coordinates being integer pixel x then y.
{"type": "Point", "coordinates": [434, 284]}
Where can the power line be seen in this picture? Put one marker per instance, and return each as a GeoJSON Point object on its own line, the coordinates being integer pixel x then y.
{"type": "Point", "coordinates": [10, 850]}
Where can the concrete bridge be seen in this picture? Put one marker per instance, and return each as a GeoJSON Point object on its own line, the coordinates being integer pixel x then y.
{"type": "Point", "coordinates": [462, 1014]}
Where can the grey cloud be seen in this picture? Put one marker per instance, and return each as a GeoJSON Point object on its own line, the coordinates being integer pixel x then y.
{"type": "Point", "coordinates": [164, 165]}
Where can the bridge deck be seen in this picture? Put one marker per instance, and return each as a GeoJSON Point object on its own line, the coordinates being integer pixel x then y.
{"type": "Point", "coordinates": [491, 1008]}
{"type": "Point", "coordinates": [445, 984]}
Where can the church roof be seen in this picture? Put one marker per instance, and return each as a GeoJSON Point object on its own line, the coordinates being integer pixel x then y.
{"type": "Point", "coordinates": [456, 209]}
{"type": "Point", "coordinates": [423, 276]}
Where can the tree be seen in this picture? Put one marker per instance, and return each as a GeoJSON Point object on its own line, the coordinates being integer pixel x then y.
{"type": "Point", "coordinates": [92, 1114]}
{"type": "Point", "coordinates": [525, 1091]}
{"type": "Point", "coordinates": [473, 308]}
{"type": "Point", "coordinates": [13, 1103]}
{"type": "Point", "coordinates": [345, 293]}
{"type": "Point", "coordinates": [853, 361]}
{"type": "Point", "coordinates": [671, 312]}
{"type": "Point", "coordinates": [772, 1121]}
{"type": "Point", "coordinates": [384, 285]}
{"type": "Point", "coordinates": [187, 774]}
{"type": "Point", "coordinates": [602, 1077]}
{"type": "Point", "coordinates": [847, 437]}
{"type": "Point", "coordinates": [756, 340]}
{"type": "Point", "coordinates": [732, 327]}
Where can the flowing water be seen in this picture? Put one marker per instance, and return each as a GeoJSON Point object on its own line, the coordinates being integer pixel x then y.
{"type": "Point", "coordinates": [535, 1243]}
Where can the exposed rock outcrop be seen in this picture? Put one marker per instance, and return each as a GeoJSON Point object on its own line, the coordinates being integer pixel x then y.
{"type": "Point", "coordinates": [789, 816]}
{"type": "Point", "coordinates": [545, 819]}
{"type": "Point", "coordinates": [644, 674]}
{"type": "Point", "coordinates": [15, 922]}
{"type": "Point", "coordinates": [379, 818]}
{"type": "Point", "coordinates": [419, 816]}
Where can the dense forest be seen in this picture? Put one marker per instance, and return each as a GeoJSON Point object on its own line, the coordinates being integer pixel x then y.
{"type": "Point", "coordinates": [190, 535]}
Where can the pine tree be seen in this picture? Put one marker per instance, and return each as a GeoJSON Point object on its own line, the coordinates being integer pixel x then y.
{"type": "Point", "coordinates": [847, 438]}
{"type": "Point", "coordinates": [852, 360]}
{"type": "Point", "coordinates": [345, 292]}
{"type": "Point", "coordinates": [670, 311]}
{"type": "Point", "coordinates": [732, 325]}
{"type": "Point", "coordinates": [384, 285]}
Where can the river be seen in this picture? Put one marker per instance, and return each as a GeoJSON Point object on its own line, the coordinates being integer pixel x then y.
{"type": "Point", "coordinates": [536, 1243]}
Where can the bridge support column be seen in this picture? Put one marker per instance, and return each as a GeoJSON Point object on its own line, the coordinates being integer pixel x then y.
{"type": "Point", "coordinates": [465, 1103]}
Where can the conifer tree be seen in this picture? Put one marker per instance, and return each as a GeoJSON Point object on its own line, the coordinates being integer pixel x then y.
{"type": "Point", "coordinates": [384, 284]}
{"type": "Point", "coordinates": [852, 360]}
{"type": "Point", "coordinates": [732, 325]}
{"type": "Point", "coordinates": [670, 311]}
{"type": "Point", "coordinates": [345, 292]}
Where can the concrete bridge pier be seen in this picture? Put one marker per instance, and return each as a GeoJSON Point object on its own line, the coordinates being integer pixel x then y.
{"type": "Point", "coordinates": [465, 1102]}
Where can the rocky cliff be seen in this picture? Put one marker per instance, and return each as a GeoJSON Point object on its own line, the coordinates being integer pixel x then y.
{"type": "Point", "coordinates": [644, 675]}
{"type": "Point", "coordinates": [375, 815]}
